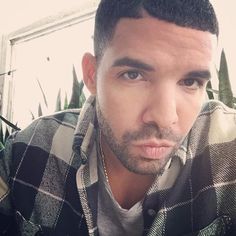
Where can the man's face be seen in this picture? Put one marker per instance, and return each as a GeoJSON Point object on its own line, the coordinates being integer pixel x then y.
{"type": "Point", "coordinates": [150, 86]}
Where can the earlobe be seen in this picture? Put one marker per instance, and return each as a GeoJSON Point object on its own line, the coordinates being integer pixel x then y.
{"type": "Point", "coordinates": [89, 72]}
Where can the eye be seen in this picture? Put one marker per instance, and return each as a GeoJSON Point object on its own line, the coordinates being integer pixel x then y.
{"type": "Point", "coordinates": [131, 75]}
{"type": "Point", "coordinates": [192, 84]}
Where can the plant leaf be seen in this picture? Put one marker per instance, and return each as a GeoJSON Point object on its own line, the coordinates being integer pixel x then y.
{"type": "Point", "coordinates": [40, 113]}
{"type": "Point", "coordinates": [66, 103]}
{"type": "Point", "coordinates": [58, 102]}
{"type": "Point", "coordinates": [1, 146]}
{"type": "Point", "coordinates": [208, 90]}
{"type": "Point", "coordinates": [213, 91]}
{"type": "Point", "coordinates": [77, 91]}
{"type": "Point", "coordinates": [44, 96]}
{"type": "Point", "coordinates": [32, 115]}
{"type": "Point", "coordinates": [1, 133]}
{"type": "Point", "coordinates": [9, 123]}
{"type": "Point", "coordinates": [7, 134]}
{"type": "Point", "coordinates": [82, 99]}
{"type": "Point", "coordinates": [225, 91]}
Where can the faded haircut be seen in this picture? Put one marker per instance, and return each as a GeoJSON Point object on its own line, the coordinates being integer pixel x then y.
{"type": "Point", "coordinates": [195, 14]}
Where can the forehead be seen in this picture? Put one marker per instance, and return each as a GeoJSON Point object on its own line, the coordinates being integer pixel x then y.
{"type": "Point", "coordinates": [157, 38]}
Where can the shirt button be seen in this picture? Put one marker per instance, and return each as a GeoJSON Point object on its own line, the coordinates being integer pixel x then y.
{"type": "Point", "coordinates": [151, 212]}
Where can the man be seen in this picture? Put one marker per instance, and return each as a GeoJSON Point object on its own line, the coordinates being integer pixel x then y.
{"type": "Point", "coordinates": [146, 155]}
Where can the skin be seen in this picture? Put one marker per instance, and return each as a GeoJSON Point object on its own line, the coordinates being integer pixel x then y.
{"type": "Point", "coordinates": [149, 87]}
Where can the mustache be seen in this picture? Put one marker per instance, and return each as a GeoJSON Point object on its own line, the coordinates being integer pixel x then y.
{"type": "Point", "coordinates": [151, 130]}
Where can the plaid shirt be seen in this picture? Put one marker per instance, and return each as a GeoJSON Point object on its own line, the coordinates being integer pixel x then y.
{"type": "Point", "coordinates": [49, 186]}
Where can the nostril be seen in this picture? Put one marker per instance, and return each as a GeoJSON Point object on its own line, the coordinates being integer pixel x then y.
{"type": "Point", "coordinates": [163, 117]}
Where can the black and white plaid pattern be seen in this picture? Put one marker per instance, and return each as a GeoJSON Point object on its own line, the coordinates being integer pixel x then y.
{"type": "Point", "coordinates": [49, 186]}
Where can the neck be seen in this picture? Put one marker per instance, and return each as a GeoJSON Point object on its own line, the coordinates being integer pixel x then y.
{"type": "Point", "coordinates": [127, 187]}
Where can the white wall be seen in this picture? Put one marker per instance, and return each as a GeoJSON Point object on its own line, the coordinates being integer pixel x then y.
{"type": "Point", "coordinates": [227, 19]}
{"type": "Point", "coordinates": [19, 14]}
{"type": "Point", "coordinates": [16, 14]}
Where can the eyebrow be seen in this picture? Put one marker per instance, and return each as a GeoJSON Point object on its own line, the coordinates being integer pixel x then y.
{"type": "Point", "coordinates": [127, 61]}
{"type": "Point", "coordinates": [201, 74]}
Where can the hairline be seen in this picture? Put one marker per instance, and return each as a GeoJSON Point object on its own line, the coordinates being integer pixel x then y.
{"type": "Point", "coordinates": [142, 13]}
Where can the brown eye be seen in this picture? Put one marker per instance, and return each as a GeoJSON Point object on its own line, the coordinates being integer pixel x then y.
{"type": "Point", "coordinates": [191, 83]}
{"type": "Point", "coordinates": [132, 75]}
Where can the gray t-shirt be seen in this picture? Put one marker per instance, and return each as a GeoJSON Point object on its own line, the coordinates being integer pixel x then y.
{"type": "Point", "coordinates": [112, 218]}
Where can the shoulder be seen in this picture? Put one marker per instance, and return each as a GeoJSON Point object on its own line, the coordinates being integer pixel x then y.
{"type": "Point", "coordinates": [215, 108]}
{"type": "Point", "coordinates": [46, 136]}
{"type": "Point", "coordinates": [46, 127]}
{"type": "Point", "coordinates": [47, 139]}
{"type": "Point", "coordinates": [214, 131]}
{"type": "Point", "coordinates": [219, 120]}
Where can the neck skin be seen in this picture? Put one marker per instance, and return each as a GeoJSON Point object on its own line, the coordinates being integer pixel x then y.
{"type": "Point", "coordinates": [127, 187]}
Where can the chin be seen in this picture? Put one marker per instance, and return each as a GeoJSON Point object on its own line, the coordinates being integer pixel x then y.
{"type": "Point", "coordinates": [146, 167]}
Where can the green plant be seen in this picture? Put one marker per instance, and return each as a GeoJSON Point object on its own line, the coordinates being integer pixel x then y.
{"type": "Point", "coordinates": [77, 98]}
{"type": "Point", "coordinates": [224, 93]}
{"type": "Point", "coordinates": [6, 131]}
{"type": "Point", "coordinates": [225, 90]}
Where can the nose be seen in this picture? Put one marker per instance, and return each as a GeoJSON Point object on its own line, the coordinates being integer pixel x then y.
{"type": "Point", "coordinates": [161, 108]}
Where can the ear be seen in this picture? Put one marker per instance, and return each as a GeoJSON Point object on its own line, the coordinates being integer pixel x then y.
{"type": "Point", "coordinates": [89, 72]}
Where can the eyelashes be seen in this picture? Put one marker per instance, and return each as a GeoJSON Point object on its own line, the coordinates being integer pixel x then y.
{"type": "Point", "coordinates": [192, 83]}
{"type": "Point", "coordinates": [133, 76]}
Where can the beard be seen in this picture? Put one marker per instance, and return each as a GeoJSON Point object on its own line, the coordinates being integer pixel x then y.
{"type": "Point", "coordinates": [121, 149]}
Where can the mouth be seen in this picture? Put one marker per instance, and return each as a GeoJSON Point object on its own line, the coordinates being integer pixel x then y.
{"type": "Point", "coordinates": [155, 150]}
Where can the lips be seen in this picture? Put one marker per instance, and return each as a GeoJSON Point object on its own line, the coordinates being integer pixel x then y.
{"type": "Point", "coordinates": [155, 150]}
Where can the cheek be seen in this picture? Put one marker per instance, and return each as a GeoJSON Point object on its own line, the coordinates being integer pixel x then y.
{"type": "Point", "coordinates": [121, 110]}
{"type": "Point", "coordinates": [188, 110]}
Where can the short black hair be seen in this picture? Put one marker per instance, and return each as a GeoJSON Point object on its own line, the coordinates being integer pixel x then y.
{"type": "Point", "coordinates": [196, 14]}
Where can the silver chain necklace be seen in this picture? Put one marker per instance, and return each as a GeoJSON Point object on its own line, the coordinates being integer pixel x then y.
{"type": "Point", "coordinates": [103, 158]}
